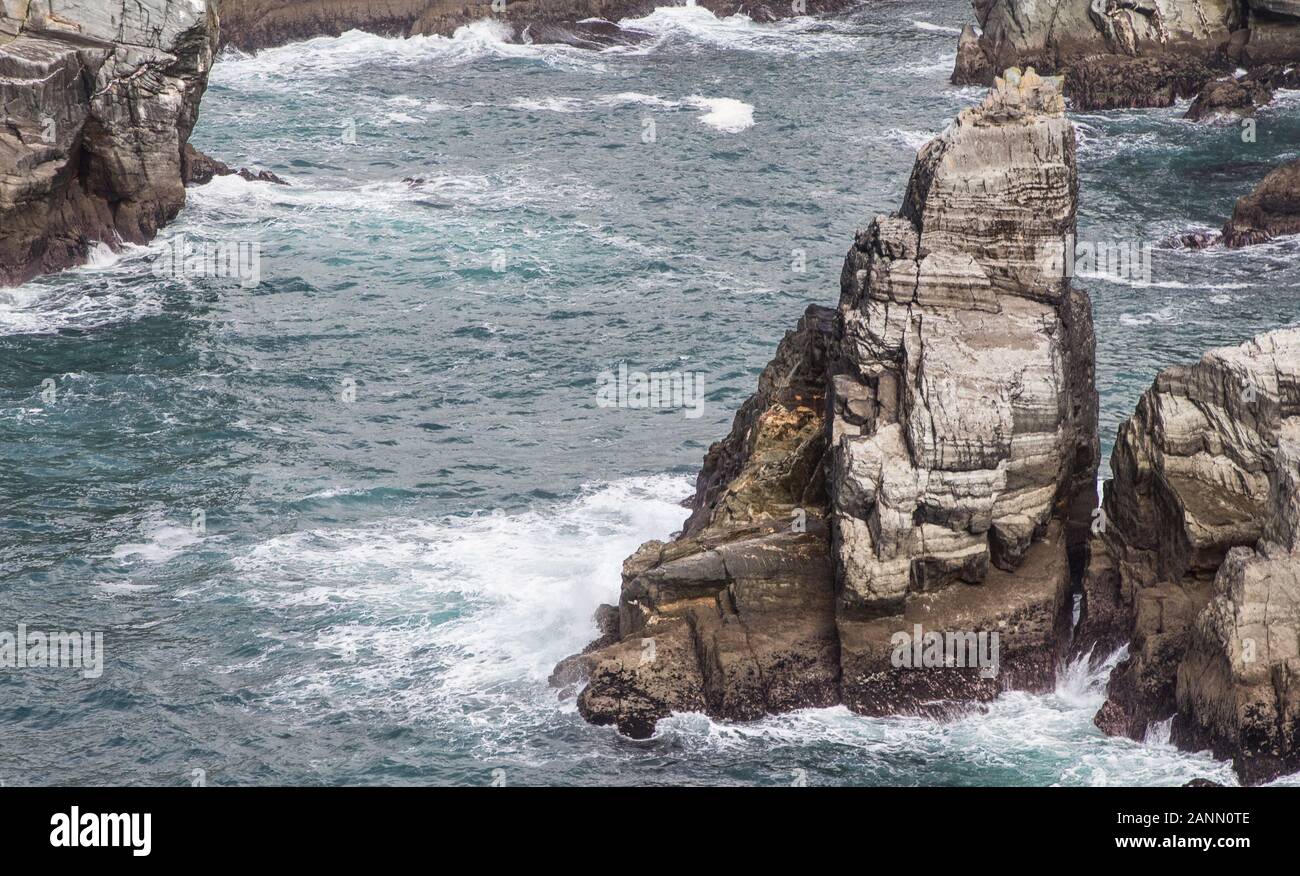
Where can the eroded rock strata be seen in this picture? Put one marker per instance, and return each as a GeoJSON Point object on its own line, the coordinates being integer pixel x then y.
{"type": "Point", "coordinates": [920, 459]}
{"type": "Point", "coordinates": [257, 24]}
{"type": "Point", "coordinates": [1129, 53]}
{"type": "Point", "coordinates": [99, 99]}
{"type": "Point", "coordinates": [1197, 559]}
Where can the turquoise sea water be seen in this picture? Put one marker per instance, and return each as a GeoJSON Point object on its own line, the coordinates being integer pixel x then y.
{"type": "Point", "coordinates": [383, 580]}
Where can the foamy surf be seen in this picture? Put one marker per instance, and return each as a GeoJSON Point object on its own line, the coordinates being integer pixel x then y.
{"type": "Point", "coordinates": [462, 613]}
{"type": "Point", "coordinates": [321, 57]}
{"type": "Point", "coordinates": [1017, 739]}
{"type": "Point", "coordinates": [726, 114]}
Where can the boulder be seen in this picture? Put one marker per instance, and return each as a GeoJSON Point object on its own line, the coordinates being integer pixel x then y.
{"type": "Point", "coordinates": [1271, 210]}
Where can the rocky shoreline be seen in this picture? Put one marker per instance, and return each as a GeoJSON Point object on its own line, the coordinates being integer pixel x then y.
{"type": "Point", "coordinates": [250, 25]}
{"type": "Point", "coordinates": [1129, 55]}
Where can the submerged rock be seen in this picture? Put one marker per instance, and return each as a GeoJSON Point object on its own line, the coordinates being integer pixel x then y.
{"type": "Point", "coordinates": [99, 102]}
{"type": "Point", "coordinates": [1115, 53]}
{"type": "Point", "coordinates": [1198, 558]}
{"type": "Point", "coordinates": [917, 468]}
{"type": "Point", "coordinates": [199, 169]}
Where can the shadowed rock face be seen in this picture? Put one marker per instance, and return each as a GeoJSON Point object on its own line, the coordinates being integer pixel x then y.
{"type": "Point", "coordinates": [257, 24]}
{"type": "Point", "coordinates": [1199, 560]}
{"type": "Point", "coordinates": [923, 456]}
{"type": "Point", "coordinates": [100, 99]}
{"type": "Point", "coordinates": [1129, 53]}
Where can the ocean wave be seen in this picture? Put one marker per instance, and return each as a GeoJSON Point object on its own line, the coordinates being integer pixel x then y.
{"type": "Point", "coordinates": [1026, 738]}
{"type": "Point", "coordinates": [437, 618]}
{"type": "Point", "coordinates": [696, 25]}
{"type": "Point", "coordinates": [288, 66]}
{"type": "Point", "coordinates": [103, 291]}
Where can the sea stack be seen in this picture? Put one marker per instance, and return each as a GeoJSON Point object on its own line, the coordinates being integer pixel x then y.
{"type": "Point", "coordinates": [100, 99]}
{"type": "Point", "coordinates": [1197, 559]}
{"type": "Point", "coordinates": [917, 466]}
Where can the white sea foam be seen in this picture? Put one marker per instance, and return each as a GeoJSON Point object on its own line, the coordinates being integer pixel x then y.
{"type": "Point", "coordinates": [549, 104]}
{"type": "Point", "coordinates": [161, 545]}
{"type": "Point", "coordinates": [935, 28]}
{"type": "Point", "coordinates": [1051, 734]}
{"type": "Point", "coordinates": [288, 66]}
{"type": "Point", "coordinates": [913, 140]}
{"type": "Point", "coordinates": [727, 114]}
{"type": "Point", "coordinates": [454, 614]}
{"type": "Point", "coordinates": [696, 25]}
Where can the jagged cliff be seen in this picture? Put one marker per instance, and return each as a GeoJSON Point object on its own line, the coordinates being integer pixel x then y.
{"type": "Point", "coordinates": [1197, 559]}
{"type": "Point", "coordinates": [1129, 53]}
{"type": "Point", "coordinates": [921, 459]}
{"type": "Point", "coordinates": [99, 99]}
{"type": "Point", "coordinates": [257, 24]}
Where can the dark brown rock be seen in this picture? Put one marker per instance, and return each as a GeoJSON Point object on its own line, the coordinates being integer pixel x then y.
{"type": "Point", "coordinates": [1272, 210]}
{"type": "Point", "coordinates": [199, 169]}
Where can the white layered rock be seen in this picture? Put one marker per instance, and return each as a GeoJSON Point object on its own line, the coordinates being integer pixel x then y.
{"type": "Point", "coordinates": [957, 331]}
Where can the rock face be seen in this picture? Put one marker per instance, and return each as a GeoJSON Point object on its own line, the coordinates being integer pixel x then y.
{"type": "Point", "coordinates": [257, 24]}
{"type": "Point", "coordinates": [99, 101]}
{"type": "Point", "coordinates": [1129, 53]}
{"type": "Point", "coordinates": [1198, 557]}
{"type": "Point", "coordinates": [917, 467]}
{"type": "Point", "coordinates": [1272, 210]}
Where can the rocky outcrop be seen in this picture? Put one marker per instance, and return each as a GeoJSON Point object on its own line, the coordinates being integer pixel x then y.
{"type": "Point", "coordinates": [257, 24]}
{"type": "Point", "coordinates": [198, 168]}
{"type": "Point", "coordinates": [1231, 98]}
{"type": "Point", "coordinates": [1272, 210]}
{"type": "Point", "coordinates": [1197, 554]}
{"type": "Point", "coordinates": [916, 470]}
{"type": "Point", "coordinates": [1129, 53]}
{"type": "Point", "coordinates": [99, 102]}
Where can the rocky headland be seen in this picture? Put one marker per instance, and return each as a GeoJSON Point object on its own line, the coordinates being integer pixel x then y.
{"type": "Point", "coordinates": [918, 462]}
{"type": "Point", "coordinates": [1134, 53]}
{"type": "Point", "coordinates": [99, 102]}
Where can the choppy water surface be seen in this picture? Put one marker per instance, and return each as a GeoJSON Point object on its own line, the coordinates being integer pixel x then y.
{"type": "Point", "coordinates": [382, 585]}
